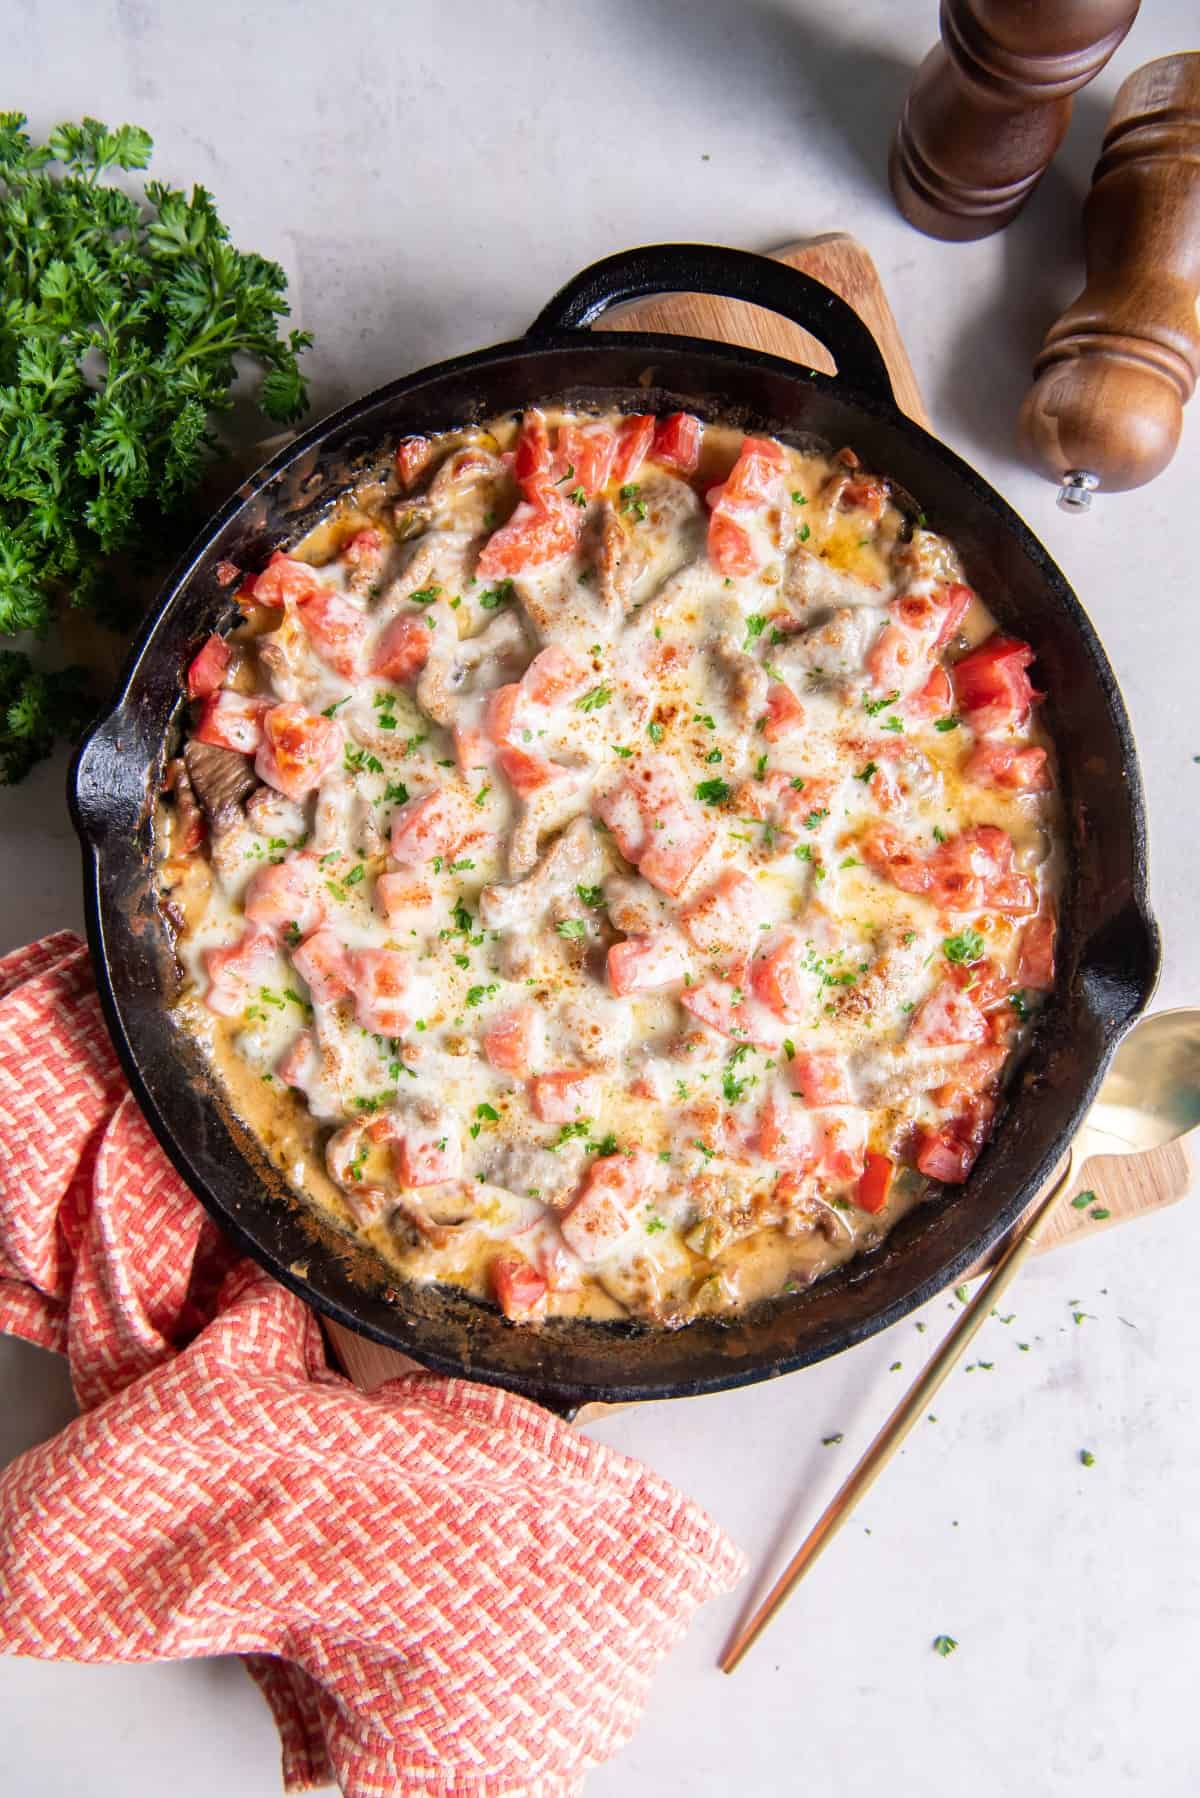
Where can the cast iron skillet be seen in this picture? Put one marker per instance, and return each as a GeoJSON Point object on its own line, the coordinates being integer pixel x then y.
{"type": "Point", "coordinates": [1108, 940]}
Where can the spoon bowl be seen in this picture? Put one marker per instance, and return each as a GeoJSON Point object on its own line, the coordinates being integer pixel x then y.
{"type": "Point", "coordinates": [1151, 1093]}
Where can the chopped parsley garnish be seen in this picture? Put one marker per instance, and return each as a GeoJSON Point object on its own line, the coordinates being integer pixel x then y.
{"type": "Point", "coordinates": [713, 792]}
{"type": "Point", "coordinates": [1019, 1004]}
{"type": "Point", "coordinates": [945, 724]}
{"type": "Point", "coordinates": [654, 731]}
{"type": "Point", "coordinates": [873, 707]}
{"type": "Point", "coordinates": [789, 1048]}
{"type": "Point", "coordinates": [1082, 1200]}
{"type": "Point", "coordinates": [654, 1224]}
{"type": "Point", "coordinates": [477, 994]}
{"type": "Point", "coordinates": [291, 935]}
{"type": "Point", "coordinates": [397, 791]}
{"type": "Point", "coordinates": [592, 896]}
{"type": "Point", "coordinates": [581, 1127]}
{"type": "Point", "coordinates": [798, 499]}
{"type": "Point", "coordinates": [355, 875]}
{"type": "Point", "coordinates": [815, 816]}
{"type": "Point", "coordinates": [461, 866]}
{"type": "Point", "coordinates": [797, 783]}
{"type": "Point", "coordinates": [425, 596]}
{"type": "Point", "coordinates": [760, 767]}
{"type": "Point", "coordinates": [1087, 1458]}
{"type": "Point", "coordinates": [619, 749]}
{"type": "Point", "coordinates": [864, 774]}
{"type": "Point", "coordinates": [632, 502]}
{"type": "Point", "coordinates": [892, 724]}
{"type": "Point", "coordinates": [714, 755]}
{"type": "Point", "coordinates": [578, 496]}
{"type": "Point", "coordinates": [571, 927]}
{"type": "Point", "coordinates": [593, 699]}
{"type": "Point", "coordinates": [756, 624]}
{"type": "Point", "coordinates": [832, 1441]}
{"type": "Point", "coordinates": [944, 1645]}
{"type": "Point", "coordinates": [499, 595]}
{"type": "Point", "coordinates": [967, 947]}
{"type": "Point", "coordinates": [337, 705]}
{"type": "Point", "coordinates": [360, 761]}
{"type": "Point", "coordinates": [355, 1167]}
{"type": "Point", "coordinates": [607, 1145]}
{"type": "Point", "coordinates": [803, 852]}
{"type": "Point", "coordinates": [803, 534]}
{"type": "Point", "coordinates": [733, 1088]}
{"type": "Point", "coordinates": [482, 795]}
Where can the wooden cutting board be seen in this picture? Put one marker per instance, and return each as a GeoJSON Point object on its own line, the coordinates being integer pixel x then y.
{"type": "Point", "coordinates": [1123, 1189]}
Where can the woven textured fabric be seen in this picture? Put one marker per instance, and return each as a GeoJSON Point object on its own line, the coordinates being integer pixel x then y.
{"type": "Point", "coordinates": [440, 1588]}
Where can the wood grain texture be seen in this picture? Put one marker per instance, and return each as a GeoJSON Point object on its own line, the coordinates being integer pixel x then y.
{"type": "Point", "coordinates": [1118, 366]}
{"type": "Point", "coordinates": [1126, 1189]}
{"type": "Point", "coordinates": [835, 259]}
{"type": "Point", "coordinates": [990, 105]}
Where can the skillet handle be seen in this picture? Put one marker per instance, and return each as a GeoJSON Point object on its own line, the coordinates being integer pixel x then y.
{"type": "Point", "coordinates": [736, 274]}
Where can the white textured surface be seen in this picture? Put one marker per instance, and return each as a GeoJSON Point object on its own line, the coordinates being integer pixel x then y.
{"type": "Point", "coordinates": [428, 176]}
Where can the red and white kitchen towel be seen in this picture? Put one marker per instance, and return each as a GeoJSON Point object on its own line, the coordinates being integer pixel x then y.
{"type": "Point", "coordinates": [440, 1588]}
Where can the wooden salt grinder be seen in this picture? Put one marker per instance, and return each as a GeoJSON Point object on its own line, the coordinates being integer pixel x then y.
{"type": "Point", "coordinates": [989, 105]}
{"type": "Point", "coordinates": [1115, 371]}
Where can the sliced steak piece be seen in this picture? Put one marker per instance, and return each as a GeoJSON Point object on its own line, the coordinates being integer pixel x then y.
{"type": "Point", "coordinates": [222, 780]}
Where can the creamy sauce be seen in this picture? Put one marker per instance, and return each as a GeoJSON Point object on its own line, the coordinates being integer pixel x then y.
{"type": "Point", "coordinates": [661, 913]}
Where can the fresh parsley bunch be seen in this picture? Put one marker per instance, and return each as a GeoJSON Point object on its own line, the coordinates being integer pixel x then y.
{"type": "Point", "coordinates": [121, 325]}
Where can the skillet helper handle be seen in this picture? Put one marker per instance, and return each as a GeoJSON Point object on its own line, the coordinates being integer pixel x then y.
{"type": "Point", "coordinates": [1115, 371]}
{"type": "Point", "coordinates": [734, 275]}
{"type": "Point", "coordinates": [909, 1411]}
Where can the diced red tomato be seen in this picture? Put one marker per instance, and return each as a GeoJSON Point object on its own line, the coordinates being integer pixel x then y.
{"type": "Point", "coordinates": [383, 981]}
{"type": "Point", "coordinates": [286, 893]}
{"type": "Point", "coordinates": [673, 855]}
{"type": "Point", "coordinates": [552, 678]}
{"type": "Point", "coordinates": [634, 437]}
{"type": "Point", "coordinates": [755, 476]}
{"type": "Point", "coordinates": [677, 442]}
{"type": "Point", "coordinates": [935, 699]}
{"type": "Point", "coordinates": [564, 1097]}
{"type": "Point", "coordinates": [948, 1016]}
{"type": "Point", "coordinates": [893, 659]}
{"type": "Point", "coordinates": [642, 964]}
{"type": "Point", "coordinates": [537, 533]}
{"type": "Point", "coordinates": [975, 869]}
{"type": "Point", "coordinates": [954, 600]}
{"type": "Point", "coordinates": [867, 495]}
{"type": "Point", "coordinates": [945, 1157]}
{"type": "Point", "coordinates": [724, 919]}
{"type": "Point", "coordinates": [785, 714]}
{"type": "Point", "coordinates": [473, 748]}
{"type": "Point", "coordinates": [603, 1214]}
{"type": "Point", "coordinates": [519, 1288]}
{"type": "Point", "coordinates": [621, 808]}
{"type": "Point", "coordinates": [1008, 766]}
{"type": "Point", "coordinates": [362, 550]}
{"type": "Point", "coordinates": [209, 668]}
{"type": "Point", "coordinates": [412, 459]}
{"type": "Point", "coordinates": [396, 894]}
{"type": "Point", "coordinates": [1035, 965]}
{"type": "Point", "coordinates": [512, 1042]}
{"type": "Point", "coordinates": [526, 773]}
{"type": "Point", "coordinates": [428, 1154]}
{"type": "Point", "coordinates": [532, 464]}
{"type": "Point", "coordinates": [584, 457]}
{"type": "Point", "coordinates": [730, 546]}
{"type": "Point", "coordinates": [284, 581]}
{"type": "Point", "coordinates": [499, 718]}
{"type": "Point", "coordinates": [324, 966]}
{"type": "Point", "coordinates": [785, 1133]}
{"type": "Point", "coordinates": [336, 627]}
{"type": "Point", "coordinates": [233, 971]}
{"type": "Point", "coordinates": [890, 856]}
{"type": "Point", "coordinates": [299, 1061]}
{"type": "Point", "coordinates": [435, 824]}
{"type": "Point", "coordinates": [842, 1142]}
{"type": "Point", "coordinates": [718, 1005]}
{"type": "Point", "coordinates": [992, 686]}
{"type": "Point", "coordinates": [778, 975]}
{"type": "Point", "coordinates": [297, 749]}
{"type": "Point", "coordinates": [822, 1077]}
{"type": "Point", "coordinates": [231, 721]}
{"type": "Point", "coordinates": [403, 648]}
{"type": "Point", "coordinates": [875, 1182]}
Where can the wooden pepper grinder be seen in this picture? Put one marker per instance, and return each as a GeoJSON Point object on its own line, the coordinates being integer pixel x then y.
{"type": "Point", "coordinates": [1106, 407]}
{"type": "Point", "coordinates": [990, 104]}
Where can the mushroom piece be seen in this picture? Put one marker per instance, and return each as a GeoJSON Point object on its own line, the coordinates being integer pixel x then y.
{"type": "Point", "coordinates": [222, 780]}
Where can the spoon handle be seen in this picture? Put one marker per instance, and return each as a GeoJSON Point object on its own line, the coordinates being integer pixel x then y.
{"type": "Point", "coordinates": [908, 1412]}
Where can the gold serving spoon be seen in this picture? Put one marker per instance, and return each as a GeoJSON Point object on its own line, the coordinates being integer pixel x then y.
{"type": "Point", "coordinates": [1149, 1097]}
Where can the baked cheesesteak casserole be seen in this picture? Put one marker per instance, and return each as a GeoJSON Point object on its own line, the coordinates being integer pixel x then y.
{"type": "Point", "coordinates": [614, 863]}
